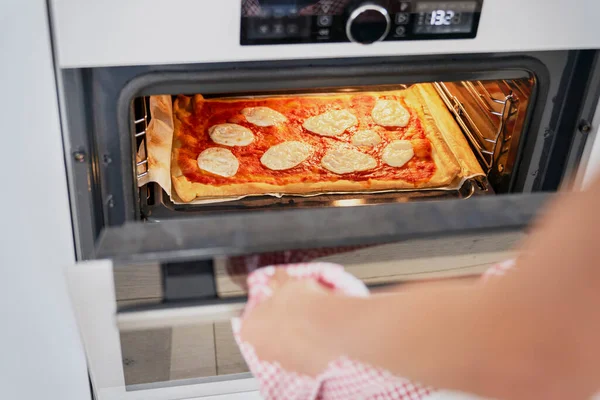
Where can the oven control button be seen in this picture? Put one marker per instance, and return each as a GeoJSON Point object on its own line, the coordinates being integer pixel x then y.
{"type": "Point", "coordinates": [292, 29]}
{"type": "Point", "coordinates": [368, 23]}
{"type": "Point", "coordinates": [400, 30]}
{"type": "Point", "coordinates": [324, 20]}
{"type": "Point", "coordinates": [402, 18]}
{"type": "Point", "coordinates": [264, 29]}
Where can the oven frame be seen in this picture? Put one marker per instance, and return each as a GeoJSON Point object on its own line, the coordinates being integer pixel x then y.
{"type": "Point", "coordinates": [103, 138]}
{"type": "Point", "coordinates": [100, 147]}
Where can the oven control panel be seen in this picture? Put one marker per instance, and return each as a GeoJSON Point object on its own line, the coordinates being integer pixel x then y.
{"type": "Point", "coordinates": [267, 22]}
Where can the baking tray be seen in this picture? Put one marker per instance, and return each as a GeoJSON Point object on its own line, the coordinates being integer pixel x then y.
{"type": "Point", "coordinates": [153, 194]}
{"type": "Point", "coordinates": [156, 204]}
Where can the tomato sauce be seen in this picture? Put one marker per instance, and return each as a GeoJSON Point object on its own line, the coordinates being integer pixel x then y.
{"type": "Point", "coordinates": [194, 139]}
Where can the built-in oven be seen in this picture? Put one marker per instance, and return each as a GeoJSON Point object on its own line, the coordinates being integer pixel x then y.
{"type": "Point", "coordinates": [159, 277]}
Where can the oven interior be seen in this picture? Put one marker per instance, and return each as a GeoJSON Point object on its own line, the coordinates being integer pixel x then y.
{"type": "Point", "coordinates": [492, 115]}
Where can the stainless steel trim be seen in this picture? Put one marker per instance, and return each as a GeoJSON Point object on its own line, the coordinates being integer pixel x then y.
{"type": "Point", "coordinates": [360, 10]}
{"type": "Point", "coordinates": [153, 319]}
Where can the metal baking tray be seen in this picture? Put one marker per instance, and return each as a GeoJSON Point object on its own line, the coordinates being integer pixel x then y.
{"type": "Point", "coordinates": [156, 204]}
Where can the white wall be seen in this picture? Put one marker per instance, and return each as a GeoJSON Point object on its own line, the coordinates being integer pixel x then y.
{"type": "Point", "coordinates": [41, 356]}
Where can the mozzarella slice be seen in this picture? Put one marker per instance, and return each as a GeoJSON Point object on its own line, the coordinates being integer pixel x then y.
{"type": "Point", "coordinates": [286, 155]}
{"type": "Point", "coordinates": [263, 116]}
{"type": "Point", "coordinates": [231, 135]}
{"type": "Point", "coordinates": [345, 159]}
{"type": "Point", "coordinates": [366, 137]}
{"type": "Point", "coordinates": [330, 123]}
{"type": "Point", "coordinates": [218, 161]}
{"type": "Point", "coordinates": [397, 153]}
{"type": "Point", "coordinates": [390, 113]}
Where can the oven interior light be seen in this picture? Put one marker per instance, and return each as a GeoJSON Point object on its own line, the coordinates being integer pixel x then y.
{"type": "Point", "coordinates": [349, 202]}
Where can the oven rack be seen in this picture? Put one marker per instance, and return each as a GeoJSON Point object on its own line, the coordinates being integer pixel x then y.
{"type": "Point", "coordinates": [140, 122]}
{"type": "Point", "coordinates": [489, 140]}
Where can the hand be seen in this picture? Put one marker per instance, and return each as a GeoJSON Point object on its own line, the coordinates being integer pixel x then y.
{"type": "Point", "coordinates": [295, 326]}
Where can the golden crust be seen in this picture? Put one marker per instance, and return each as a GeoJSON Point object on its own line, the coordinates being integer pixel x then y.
{"type": "Point", "coordinates": [193, 190]}
{"type": "Point", "coordinates": [448, 168]}
{"type": "Point", "coordinates": [453, 137]}
{"type": "Point", "coordinates": [447, 165]}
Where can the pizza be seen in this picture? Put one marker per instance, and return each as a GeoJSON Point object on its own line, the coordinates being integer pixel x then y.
{"type": "Point", "coordinates": [350, 142]}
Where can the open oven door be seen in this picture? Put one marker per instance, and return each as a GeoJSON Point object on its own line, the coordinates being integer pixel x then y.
{"type": "Point", "coordinates": [174, 342]}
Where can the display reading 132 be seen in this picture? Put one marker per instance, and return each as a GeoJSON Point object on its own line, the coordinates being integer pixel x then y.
{"type": "Point", "coordinates": [444, 17]}
{"type": "Point", "coordinates": [437, 17]}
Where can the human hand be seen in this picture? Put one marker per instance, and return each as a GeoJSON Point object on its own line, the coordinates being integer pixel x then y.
{"type": "Point", "coordinates": [296, 326]}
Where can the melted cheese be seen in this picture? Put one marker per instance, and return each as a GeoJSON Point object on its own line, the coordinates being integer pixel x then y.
{"type": "Point", "coordinates": [231, 135]}
{"type": "Point", "coordinates": [366, 137]}
{"type": "Point", "coordinates": [390, 113]}
{"type": "Point", "coordinates": [218, 161]}
{"type": "Point", "coordinates": [263, 116]}
{"type": "Point", "coordinates": [286, 155]}
{"type": "Point", "coordinates": [330, 123]}
{"type": "Point", "coordinates": [345, 159]}
{"type": "Point", "coordinates": [397, 153]}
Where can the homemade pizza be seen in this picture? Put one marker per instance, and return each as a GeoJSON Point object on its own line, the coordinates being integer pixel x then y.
{"type": "Point", "coordinates": [356, 142]}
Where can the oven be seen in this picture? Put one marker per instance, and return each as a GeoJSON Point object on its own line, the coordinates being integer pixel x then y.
{"type": "Point", "coordinates": [157, 278]}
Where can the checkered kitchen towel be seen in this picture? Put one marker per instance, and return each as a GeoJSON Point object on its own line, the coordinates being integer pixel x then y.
{"type": "Point", "coordinates": [343, 379]}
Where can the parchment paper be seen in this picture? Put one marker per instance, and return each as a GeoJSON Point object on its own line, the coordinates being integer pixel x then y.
{"type": "Point", "coordinates": [159, 139]}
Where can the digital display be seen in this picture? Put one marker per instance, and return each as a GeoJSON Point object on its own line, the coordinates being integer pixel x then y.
{"type": "Point", "coordinates": [441, 17]}
{"type": "Point", "coordinates": [444, 17]}
{"type": "Point", "coordinates": [269, 22]}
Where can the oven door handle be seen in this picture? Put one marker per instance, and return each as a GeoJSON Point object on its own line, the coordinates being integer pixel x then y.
{"type": "Point", "coordinates": [168, 317]}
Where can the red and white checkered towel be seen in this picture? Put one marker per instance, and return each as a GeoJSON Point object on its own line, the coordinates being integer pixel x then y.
{"type": "Point", "coordinates": [343, 379]}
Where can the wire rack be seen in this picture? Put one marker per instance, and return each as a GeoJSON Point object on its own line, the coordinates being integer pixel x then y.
{"type": "Point", "coordinates": [484, 111]}
{"type": "Point", "coordinates": [140, 122]}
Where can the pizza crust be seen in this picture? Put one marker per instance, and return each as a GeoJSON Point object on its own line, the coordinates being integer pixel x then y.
{"type": "Point", "coordinates": [452, 135]}
{"type": "Point", "coordinates": [194, 190]}
{"type": "Point", "coordinates": [422, 98]}
{"type": "Point", "coordinates": [447, 165]}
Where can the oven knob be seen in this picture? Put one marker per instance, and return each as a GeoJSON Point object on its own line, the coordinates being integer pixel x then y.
{"type": "Point", "coordinates": [368, 23]}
